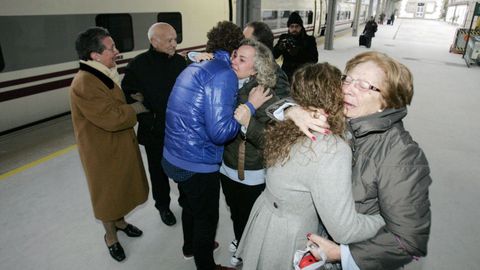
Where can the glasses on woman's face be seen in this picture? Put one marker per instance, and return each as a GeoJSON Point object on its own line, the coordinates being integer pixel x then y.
{"type": "Point", "coordinates": [360, 84]}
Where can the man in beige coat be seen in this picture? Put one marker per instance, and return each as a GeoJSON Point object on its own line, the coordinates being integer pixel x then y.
{"type": "Point", "coordinates": [108, 148]}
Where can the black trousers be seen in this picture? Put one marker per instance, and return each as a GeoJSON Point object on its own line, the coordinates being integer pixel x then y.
{"type": "Point", "coordinates": [240, 198]}
{"type": "Point", "coordinates": [158, 178]}
{"type": "Point", "coordinates": [199, 198]}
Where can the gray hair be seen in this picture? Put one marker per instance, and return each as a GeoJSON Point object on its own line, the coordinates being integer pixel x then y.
{"type": "Point", "coordinates": [151, 30]}
{"type": "Point", "coordinates": [263, 63]}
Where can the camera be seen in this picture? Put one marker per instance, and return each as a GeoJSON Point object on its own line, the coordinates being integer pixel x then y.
{"type": "Point", "coordinates": [288, 43]}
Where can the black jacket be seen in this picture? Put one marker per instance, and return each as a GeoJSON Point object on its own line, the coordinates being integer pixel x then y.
{"type": "Point", "coordinates": [153, 74]}
{"type": "Point", "coordinates": [370, 29]}
{"type": "Point", "coordinates": [296, 51]}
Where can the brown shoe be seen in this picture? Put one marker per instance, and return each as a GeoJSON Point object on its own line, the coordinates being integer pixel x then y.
{"type": "Point", "coordinates": [221, 267]}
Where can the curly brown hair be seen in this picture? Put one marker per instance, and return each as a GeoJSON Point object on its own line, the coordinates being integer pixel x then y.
{"type": "Point", "coordinates": [314, 85]}
{"type": "Point", "coordinates": [224, 36]}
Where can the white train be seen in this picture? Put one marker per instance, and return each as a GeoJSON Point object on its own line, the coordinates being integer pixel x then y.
{"type": "Point", "coordinates": [38, 59]}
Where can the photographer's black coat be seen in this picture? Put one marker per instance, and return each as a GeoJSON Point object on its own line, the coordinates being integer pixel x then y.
{"type": "Point", "coordinates": [296, 51]}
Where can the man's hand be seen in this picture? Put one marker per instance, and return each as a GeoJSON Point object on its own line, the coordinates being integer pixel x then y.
{"type": "Point", "coordinates": [330, 248]}
{"type": "Point", "coordinates": [242, 115]}
{"type": "Point", "coordinates": [258, 96]}
{"type": "Point", "coordinates": [309, 120]}
{"type": "Point", "coordinates": [137, 96]}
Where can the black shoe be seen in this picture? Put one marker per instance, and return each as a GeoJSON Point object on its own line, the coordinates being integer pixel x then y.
{"type": "Point", "coordinates": [116, 250]}
{"type": "Point", "coordinates": [131, 231]}
{"type": "Point", "coordinates": [167, 217]}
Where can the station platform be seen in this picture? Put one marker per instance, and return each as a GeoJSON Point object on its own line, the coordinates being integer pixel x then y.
{"type": "Point", "coordinates": [46, 220]}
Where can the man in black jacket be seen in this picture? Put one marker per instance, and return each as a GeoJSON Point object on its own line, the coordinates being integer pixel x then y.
{"type": "Point", "coordinates": [369, 31]}
{"type": "Point", "coordinates": [153, 74]}
{"type": "Point", "coordinates": [296, 46]}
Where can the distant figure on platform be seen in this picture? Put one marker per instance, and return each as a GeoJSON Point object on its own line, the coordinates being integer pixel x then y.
{"type": "Point", "coordinates": [296, 46]}
{"type": "Point", "coordinates": [103, 123]}
{"type": "Point", "coordinates": [153, 74]}
{"type": "Point", "coordinates": [381, 17]}
{"type": "Point", "coordinates": [392, 18]}
{"type": "Point", "coordinates": [369, 31]}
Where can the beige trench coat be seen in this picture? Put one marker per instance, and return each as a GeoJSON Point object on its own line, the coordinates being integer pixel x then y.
{"type": "Point", "coordinates": [103, 125]}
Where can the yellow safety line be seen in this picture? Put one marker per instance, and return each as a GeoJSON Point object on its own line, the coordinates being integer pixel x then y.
{"type": "Point", "coordinates": [37, 162]}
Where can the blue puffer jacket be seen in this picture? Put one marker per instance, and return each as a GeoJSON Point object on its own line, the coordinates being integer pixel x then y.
{"type": "Point", "coordinates": [199, 118]}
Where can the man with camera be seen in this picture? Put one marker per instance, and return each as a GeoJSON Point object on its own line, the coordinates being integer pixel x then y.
{"type": "Point", "coordinates": [296, 46]}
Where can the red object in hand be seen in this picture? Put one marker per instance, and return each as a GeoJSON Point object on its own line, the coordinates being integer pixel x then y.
{"type": "Point", "coordinates": [307, 260]}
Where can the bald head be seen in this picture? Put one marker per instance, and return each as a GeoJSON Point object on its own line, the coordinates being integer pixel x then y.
{"type": "Point", "coordinates": [163, 38]}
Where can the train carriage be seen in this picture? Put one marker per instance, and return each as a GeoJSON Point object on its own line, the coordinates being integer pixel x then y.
{"type": "Point", "coordinates": [38, 59]}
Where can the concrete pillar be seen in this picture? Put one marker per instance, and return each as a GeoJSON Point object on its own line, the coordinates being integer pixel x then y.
{"type": "Point", "coordinates": [330, 28]}
{"type": "Point", "coordinates": [356, 18]}
{"type": "Point", "coordinates": [370, 9]}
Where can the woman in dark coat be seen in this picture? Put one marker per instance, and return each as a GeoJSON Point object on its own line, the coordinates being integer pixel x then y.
{"type": "Point", "coordinates": [108, 148]}
{"type": "Point", "coordinates": [390, 173]}
{"type": "Point", "coordinates": [369, 31]}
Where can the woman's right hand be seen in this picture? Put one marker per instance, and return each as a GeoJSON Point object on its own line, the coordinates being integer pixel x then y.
{"type": "Point", "coordinates": [308, 120]}
{"type": "Point", "coordinates": [330, 248]}
{"type": "Point", "coordinates": [259, 95]}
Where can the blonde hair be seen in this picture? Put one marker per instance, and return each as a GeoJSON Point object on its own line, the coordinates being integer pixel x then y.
{"type": "Point", "coordinates": [314, 85]}
{"type": "Point", "coordinates": [263, 63]}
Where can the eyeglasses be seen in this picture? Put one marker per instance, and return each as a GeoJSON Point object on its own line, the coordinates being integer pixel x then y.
{"type": "Point", "coordinates": [360, 84]}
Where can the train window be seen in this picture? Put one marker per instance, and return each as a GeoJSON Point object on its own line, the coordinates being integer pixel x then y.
{"type": "Point", "coordinates": [284, 14]}
{"type": "Point", "coordinates": [2, 63]}
{"type": "Point", "coordinates": [120, 27]}
{"type": "Point", "coordinates": [175, 20]}
{"type": "Point", "coordinates": [32, 41]}
{"type": "Point", "coordinates": [309, 17]}
{"type": "Point", "coordinates": [270, 17]}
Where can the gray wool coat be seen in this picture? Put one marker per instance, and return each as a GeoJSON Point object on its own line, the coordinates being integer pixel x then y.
{"type": "Point", "coordinates": [315, 182]}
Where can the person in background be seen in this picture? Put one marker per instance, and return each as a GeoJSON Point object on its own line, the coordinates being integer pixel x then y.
{"type": "Point", "coordinates": [381, 17]}
{"type": "Point", "coordinates": [103, 124]}
{"type": "Point", "coordinates": [296, 47]}
{"type": "Point", "coordinates": [390, 173]}
{"type": "Point", "coordinates": [153, 74]}
{"type": "Point", "coordinates": [369, 31]}
{"type": "Point", "coordinates": [242, 173]}
{"type": "Point", "coordinates": [305, 180]}
{"type": "Point", "coordinates": [392, 18]}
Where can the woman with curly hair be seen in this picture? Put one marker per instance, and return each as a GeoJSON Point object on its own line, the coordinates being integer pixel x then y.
{"type": "Point", "coordinates": [305, 180]}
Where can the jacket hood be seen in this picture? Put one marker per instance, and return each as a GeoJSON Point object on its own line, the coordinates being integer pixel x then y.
{"type": "Point", "coordinates": [377, 122]}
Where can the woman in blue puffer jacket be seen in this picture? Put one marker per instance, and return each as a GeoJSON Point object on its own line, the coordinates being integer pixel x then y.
{"type": "Point", "coordinates": [199, 121]}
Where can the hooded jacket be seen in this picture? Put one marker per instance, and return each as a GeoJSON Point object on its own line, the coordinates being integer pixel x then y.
{"type": "Point", "coordinates": [199, 116]}
{"type": "Point", "coordinates": [390, 176]}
